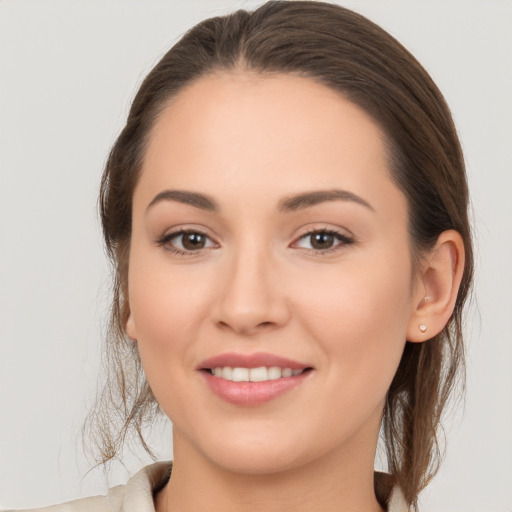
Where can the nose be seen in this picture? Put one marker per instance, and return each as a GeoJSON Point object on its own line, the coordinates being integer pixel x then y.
{"type": "Point", "coordinates": [250, 298]}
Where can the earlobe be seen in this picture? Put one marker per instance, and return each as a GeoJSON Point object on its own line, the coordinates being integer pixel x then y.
{"type": "Point", "coordinates": [130, 327]}
{"type": "Point", "coordinates": [439, 282]}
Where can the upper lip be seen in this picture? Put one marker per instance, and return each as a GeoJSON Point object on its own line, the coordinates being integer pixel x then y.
{"type": "Point", "coordinates": [256, 360]}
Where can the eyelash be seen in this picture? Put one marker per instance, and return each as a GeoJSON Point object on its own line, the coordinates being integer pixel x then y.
{"type": "Point", "coordinates": [343, 240]}
{"type": "Point", "coordinates": [164, 242]}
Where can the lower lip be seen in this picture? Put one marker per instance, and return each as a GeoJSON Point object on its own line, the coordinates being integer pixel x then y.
{"type": "Point", "coordinates": [252, 393]}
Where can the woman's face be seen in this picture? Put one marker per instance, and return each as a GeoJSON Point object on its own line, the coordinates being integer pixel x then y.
{"type": "Point", "coordinates": [267, 233]}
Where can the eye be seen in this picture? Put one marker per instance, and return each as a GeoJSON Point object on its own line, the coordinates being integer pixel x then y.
{"type": "Point", "coordinates": [186, 241]}
{"type": "Point", "coordinates": [324, 240]}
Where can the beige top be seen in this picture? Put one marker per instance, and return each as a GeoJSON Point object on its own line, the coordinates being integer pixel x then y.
{"type": "Point", "coordinates": [137, 495]}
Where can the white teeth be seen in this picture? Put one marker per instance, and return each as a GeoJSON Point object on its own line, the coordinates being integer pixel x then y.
{"type": "Point", "coordinates": [274, 372]}
{"type": "Point", "coordinates": [240, 374]}
{"type": "Point", "coordinates": [227, 373]}
{"type": "Point", "coordinates": [287, 372]}
{"type": "Point", "coordinates": [259, 374]}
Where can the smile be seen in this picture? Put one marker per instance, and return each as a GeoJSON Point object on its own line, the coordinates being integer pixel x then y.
{"type": "Point", "coordinates": [252, 379]}
{"type": "Point", "coordinates": [260, 374]}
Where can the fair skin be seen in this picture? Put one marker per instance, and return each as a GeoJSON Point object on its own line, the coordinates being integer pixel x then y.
{"type": "Point", "coordinates": [253, 279]}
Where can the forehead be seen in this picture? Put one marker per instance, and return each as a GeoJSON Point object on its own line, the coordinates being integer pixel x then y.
{"type": "Point", "coordinates": [247, 131]}
{"type": "Point", "coordinates": [246, 108]}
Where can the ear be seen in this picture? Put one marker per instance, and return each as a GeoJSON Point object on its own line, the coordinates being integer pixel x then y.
{"type": "Point", "coordinates": [130, 329]}
{"type": "Point", "coordinates": [436, 287]}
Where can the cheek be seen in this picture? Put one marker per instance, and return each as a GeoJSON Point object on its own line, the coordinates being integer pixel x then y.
{"type": "Point", "coordinates": [352, 297]}
{"type": "Point", "coordinates": [165, 298]}
{"type": "Point", "coordinates": [165, 305]}
{"type": "Point", "coordinates": [163, 309]}
{"type": "Point", "coordinates": [359, 318]}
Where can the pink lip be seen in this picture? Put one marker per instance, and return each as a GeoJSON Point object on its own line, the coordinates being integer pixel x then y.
{"type": "Point", "coordinates": [251, 393]}
{"type": "Point", "coordinates": [250, 361]}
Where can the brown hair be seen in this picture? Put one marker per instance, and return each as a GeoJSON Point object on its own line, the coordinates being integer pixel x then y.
{"type": "Point", "coordinates": [350, 54]}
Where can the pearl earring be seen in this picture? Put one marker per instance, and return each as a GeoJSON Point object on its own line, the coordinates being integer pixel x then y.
{"type": "Point", "coordinates": [423, 328]}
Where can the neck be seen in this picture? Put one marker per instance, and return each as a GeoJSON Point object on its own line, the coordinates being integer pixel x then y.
{"type": "Point", "coordinates": [327, 484]}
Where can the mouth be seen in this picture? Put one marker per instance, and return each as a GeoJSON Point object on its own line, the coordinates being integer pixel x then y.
{"type": "Point", "coordinates": [252, 379]}
{"type": "Point", "coordinates": [259, 374]}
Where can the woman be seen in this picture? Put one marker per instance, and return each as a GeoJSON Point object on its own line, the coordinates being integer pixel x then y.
{"type": "Point", "coordinates": [286, 209]}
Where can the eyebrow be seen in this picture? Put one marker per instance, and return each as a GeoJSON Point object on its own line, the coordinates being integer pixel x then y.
{"type": "Point", "coordinates": [307, 199]}
{"type": "Point", "coordinates": [195, 199]}
{"type": "Point", "coordinates": [287, 204]}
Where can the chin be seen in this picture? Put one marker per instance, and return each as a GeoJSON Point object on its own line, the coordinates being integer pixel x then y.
{"type": "Point", "coordinates": [262, 461]}
{"type": "Point", "coordinates": [257, 450]}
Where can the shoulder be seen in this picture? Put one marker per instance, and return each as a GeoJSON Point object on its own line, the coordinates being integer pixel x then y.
{"type": "Point", "coordinates": [397, 501]}
{"type": "Point", "coordinates": [388, 493]}
{"type": "Point", "coordinates": [135, 496]}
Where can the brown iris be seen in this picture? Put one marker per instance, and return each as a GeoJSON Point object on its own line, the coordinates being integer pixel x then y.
{"type": "Point", "coordinates": [193, 241]}
{"type": "Point", "coordinates": [322, 240]}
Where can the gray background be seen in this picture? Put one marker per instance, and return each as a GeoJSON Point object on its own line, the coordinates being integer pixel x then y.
{"type": "Point", "coordinates": [68, 70]}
